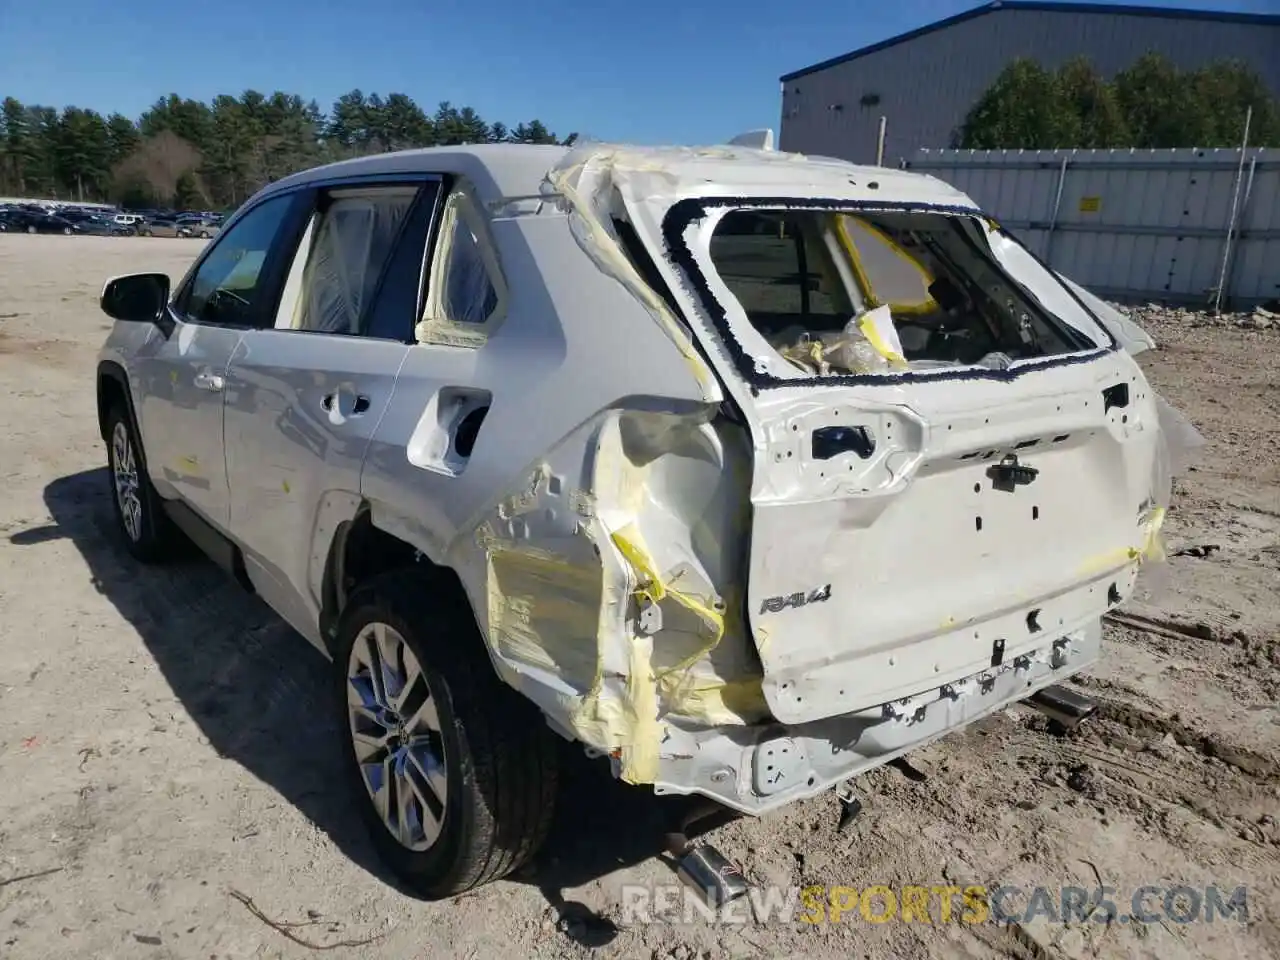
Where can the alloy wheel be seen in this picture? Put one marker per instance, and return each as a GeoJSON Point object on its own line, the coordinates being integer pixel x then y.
{"type": "Point", "coordinates": [125, 468]}
{"type": "Point", "coordinates": [395, 728]}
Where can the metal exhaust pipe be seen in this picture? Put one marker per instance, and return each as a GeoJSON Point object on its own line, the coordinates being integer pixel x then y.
{"type": "Point", "coordinates": [712, 874]}
{"type": "Point", "coordinates": [700, 865]}
{"type": "Point", "coordinates": [1063, 706]}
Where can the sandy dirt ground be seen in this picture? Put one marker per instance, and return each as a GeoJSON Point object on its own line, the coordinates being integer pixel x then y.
{"type": "Point", "coordinates": [167, 751]}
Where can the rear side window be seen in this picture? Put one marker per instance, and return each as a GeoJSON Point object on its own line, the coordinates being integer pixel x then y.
{"type": "Point", "coordinates": [466, 294]}
{"type": "Point", "coordinates": [342, 256]}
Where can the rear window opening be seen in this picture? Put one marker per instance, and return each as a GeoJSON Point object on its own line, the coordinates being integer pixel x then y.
{"type": "Point", "coordinates": [839, 292]}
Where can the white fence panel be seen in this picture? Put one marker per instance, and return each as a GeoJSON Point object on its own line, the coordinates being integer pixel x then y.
{"type": "Point", "coordinates": [1134, 224]}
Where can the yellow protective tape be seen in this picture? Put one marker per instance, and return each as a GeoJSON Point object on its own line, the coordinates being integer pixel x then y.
{"type": "Point", "coordinates": [631, 545]}
{"type": "Point", "coordinates": [544, 612]}
{"type": "Point", "coordinates": [925, 306]}
{"type": "Point", "coordinates": [701, 698]}
{"type": "Point", "coordinates": [640, 755]}
{"type": "Point", "coordinates": [715, 701]}
{"type": "Point", "coordinates": [1153, 548]}
{"type": "Point", "coordinates": [1151, 551]}
{"type": "Point", "coordinates": [868, 328]}
{"type": "Point", "coordinates": [711, 618]}
{"type": "Point", "coordinates": [850, 248]}
{"type": "Point", "coordinates": [552, 611]}
{"type": "Point", "coordinates": [855, 262]}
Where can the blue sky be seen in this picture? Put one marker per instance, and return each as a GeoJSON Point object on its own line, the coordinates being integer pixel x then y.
{"type": "Point", "coordinates": [648, 71]}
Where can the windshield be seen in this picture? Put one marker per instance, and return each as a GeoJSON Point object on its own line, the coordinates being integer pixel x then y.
{"type": "Point", "coordinates": [837, 292]}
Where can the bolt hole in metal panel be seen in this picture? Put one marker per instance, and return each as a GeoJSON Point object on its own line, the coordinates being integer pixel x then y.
{"type": "Point", "coordinates": [779, 765]}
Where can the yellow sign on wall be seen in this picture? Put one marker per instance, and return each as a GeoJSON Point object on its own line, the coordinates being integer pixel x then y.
{"type": "Point", "coordinates": [1090, 204]}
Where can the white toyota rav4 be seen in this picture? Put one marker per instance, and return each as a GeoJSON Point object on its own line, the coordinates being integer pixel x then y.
{"type": "Point", "coordinates": [747, 471]}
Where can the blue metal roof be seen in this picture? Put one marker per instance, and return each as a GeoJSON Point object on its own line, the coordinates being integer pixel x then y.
{"type": "Point", "coordinates": [1261, 19]}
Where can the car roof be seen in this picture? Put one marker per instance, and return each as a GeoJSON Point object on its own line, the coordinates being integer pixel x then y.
{"type": "Point", "coordinates": [495, 169]}
{"type": "Point", "coordinates": [500, 171]}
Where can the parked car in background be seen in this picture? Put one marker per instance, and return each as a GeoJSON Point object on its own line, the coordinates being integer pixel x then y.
{"type": "Point", "coordinates": [128, 219]}
{"type": "Point", "coordinates": [202, 229]}
{"type": "Point", "coordinates": [28, 221]}
{"type": "Point", "coordinates": [94, 222]}
{"type": "Point", "coordinates": [161, 228]}
{"type": "Point", "coordinates": [103, 227]}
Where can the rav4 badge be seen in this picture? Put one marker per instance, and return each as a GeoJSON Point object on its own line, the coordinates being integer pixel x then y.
{"type": "Point", "coordinates": [778, 604]}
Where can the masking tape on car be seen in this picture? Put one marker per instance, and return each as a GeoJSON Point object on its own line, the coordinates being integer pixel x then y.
{"type": "Point", "coordinates": [868, 328]}
{"type": "Point", "coordinates": [544, 612]}
{"type": "Point", "coordinates": [708, 698]}
{"type": "Point", "coordinates": [1151, 549]}
{"type": "Point", "coordinates": [718, 702]}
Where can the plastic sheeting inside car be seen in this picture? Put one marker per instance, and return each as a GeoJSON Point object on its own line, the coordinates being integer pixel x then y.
{"type": "Point", "coordinates": [352, 242]}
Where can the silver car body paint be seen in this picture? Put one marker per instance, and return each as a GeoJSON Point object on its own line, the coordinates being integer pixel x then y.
{"type": "Point", "coordinates": [684, 589]}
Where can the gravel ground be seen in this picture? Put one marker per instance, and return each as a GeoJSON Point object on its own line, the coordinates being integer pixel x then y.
{"type": "Point", "coordinates": [168, 752]}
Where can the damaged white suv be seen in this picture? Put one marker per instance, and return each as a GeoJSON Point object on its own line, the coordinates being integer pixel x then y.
{"type": "Point", "coordinates": [746, 470]}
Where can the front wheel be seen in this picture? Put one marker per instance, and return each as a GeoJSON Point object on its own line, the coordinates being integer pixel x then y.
{"type": "Point", "coordinates": [66, 231]}
{"type": "Point", "coordinates": [31, 229]}
{"type": "Point", "coordinates": [455, 773]}
{"type": "Point", "coordinates": [149, 534]}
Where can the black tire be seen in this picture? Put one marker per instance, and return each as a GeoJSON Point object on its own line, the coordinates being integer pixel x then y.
{"type": "Point", "coordinates": [157, 540]}
{"type": "Point", "coordinates": [500, 755]}
{"type": "Point", "coordinates": [204, 234]}
{"type": "Point", "coordinates": [31, 229]}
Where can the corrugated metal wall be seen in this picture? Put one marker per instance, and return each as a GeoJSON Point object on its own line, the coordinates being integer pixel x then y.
{"type": "Point", "coordinates": [926, 85]}
{"type": "Point", "coordinates": [1148, 224]}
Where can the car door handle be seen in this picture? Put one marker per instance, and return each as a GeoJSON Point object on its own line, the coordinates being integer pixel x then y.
{"type": "Point", "coordinates": [209, 381]}
{"type": "Point", "coordinates": [360, 405]}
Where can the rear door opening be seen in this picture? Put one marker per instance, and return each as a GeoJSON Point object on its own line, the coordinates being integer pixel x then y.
{"type": "Point", "coordinates": [937, 294]}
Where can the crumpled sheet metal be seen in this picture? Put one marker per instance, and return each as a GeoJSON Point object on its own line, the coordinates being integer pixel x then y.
{"type": "Point", "coordinates": [572, 612]}
{"type": "Point", "coordinates": [1177, 443]}
{"type": "Point", "coordinates": [1177, 449]}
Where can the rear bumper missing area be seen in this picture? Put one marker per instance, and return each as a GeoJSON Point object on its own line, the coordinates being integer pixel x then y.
{"type": "Point", "coordinates": [757, 769]}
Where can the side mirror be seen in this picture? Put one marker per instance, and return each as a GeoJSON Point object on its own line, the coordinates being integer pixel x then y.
{"type": "Point", "coordinates": [138, 298]}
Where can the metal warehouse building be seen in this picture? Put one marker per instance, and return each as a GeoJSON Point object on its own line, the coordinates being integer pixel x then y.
{"type": "Point", "coordinates": [925, 81]}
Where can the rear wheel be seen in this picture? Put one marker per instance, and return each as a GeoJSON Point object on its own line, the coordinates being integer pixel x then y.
{"type": "Point", "coordinates": [455, 773]}
{"type": "Point", "coordinates": [148, 532]}
{"type": "Point", "coordinates": [66, 231]}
